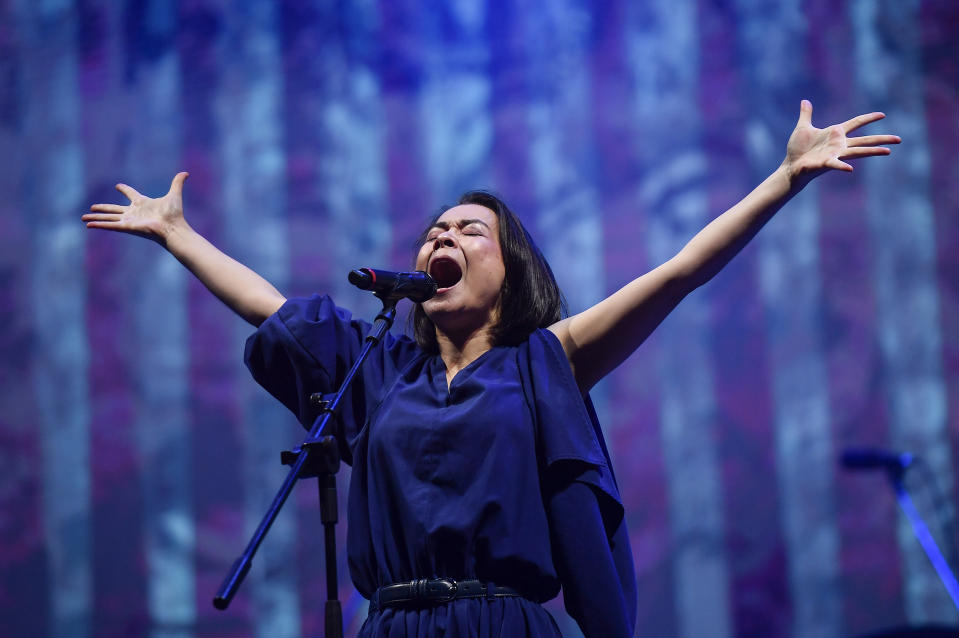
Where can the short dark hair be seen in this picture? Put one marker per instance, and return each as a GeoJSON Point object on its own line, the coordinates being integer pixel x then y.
{"type": "Point", "coordinates": [530, 297]}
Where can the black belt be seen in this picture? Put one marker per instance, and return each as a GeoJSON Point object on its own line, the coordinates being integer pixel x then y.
{"type": "Point", "coordinates": [428, 591]}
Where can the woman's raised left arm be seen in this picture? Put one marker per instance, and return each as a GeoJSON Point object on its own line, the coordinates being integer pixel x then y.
{"type": "Point", "coordinates": [603, 336]}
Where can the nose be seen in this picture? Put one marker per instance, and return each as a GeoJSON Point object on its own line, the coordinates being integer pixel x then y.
{"type": "Point", "coordinates": [444, 240]}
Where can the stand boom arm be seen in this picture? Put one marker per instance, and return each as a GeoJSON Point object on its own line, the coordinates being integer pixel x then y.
{"type": "Point", "coordinates": [313, 442]}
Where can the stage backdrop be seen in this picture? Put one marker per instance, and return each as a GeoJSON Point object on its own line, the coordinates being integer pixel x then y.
{"type": "Point", "coordinates": [137, 454]}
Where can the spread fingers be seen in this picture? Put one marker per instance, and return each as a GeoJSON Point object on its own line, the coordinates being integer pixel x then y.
{"type": "Point", "coordinates": [873, 140]}
{"type": "Point", "coordinates": [864, 151]}
{"type": "Point", "coordinates": [129, 191]}
{"type": "Point", "coordinates": [108, 208]}
{"type": "Point", "coordinates": [861, 120]}
{"type": "Point", "coordinates": [101, 217]}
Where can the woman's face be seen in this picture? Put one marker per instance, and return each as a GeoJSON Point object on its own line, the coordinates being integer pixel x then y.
{"type": "Point", "coordinates": [462, 253]}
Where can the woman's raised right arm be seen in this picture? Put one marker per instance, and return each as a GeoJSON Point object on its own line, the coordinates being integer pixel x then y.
{"type": "Point", "coordinates": [161, 220]}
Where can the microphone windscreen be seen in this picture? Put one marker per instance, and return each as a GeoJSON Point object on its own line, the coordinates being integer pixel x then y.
{"type": "Point", "coordinates": [361, 278]}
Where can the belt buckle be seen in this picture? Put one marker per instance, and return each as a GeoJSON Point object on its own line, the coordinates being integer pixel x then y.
{"type": "Point", "coordinates": [451, 587]}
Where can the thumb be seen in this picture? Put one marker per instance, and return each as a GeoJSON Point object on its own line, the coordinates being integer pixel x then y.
{"type": "Point", "coordinates": [177, 186]}
{"type": "Point", "coordinates": [805, 113]}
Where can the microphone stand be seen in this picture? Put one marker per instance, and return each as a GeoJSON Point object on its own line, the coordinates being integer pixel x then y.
{"type": "Point", "coordinates": [317, 456]}
{"type": "Point", "coordinates": [923, 535]}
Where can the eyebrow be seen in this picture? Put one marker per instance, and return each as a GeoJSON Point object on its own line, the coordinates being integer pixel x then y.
{"type": "Point", "coordinates": [460, 223]}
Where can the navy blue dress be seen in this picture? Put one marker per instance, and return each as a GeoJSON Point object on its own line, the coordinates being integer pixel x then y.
{"type": "Point", "coordinates": [502, 476]}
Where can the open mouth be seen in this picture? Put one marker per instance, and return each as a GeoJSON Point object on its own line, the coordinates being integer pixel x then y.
{"type": "Point", "coordinates": [446, 272]}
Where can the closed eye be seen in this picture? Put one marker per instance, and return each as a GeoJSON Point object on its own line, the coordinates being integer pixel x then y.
{"type": "Point", "coordinates": [471, 227]}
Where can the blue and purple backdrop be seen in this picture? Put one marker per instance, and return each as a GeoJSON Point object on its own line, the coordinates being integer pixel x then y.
{"type": "Point", "coordinates": [137, 454]}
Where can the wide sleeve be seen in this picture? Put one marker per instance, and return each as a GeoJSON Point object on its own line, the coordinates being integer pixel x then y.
{"type": "Point", "coordinates": [570, 442]}
{"type": "Point", "coordinates": [588, 531]}
{"type": "Point", "coordinates": [308, 346]}
{"type": "Point", "coordinates": [595, 568]}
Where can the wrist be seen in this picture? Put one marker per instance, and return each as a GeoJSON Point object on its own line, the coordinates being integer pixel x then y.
{"type": "Point", "coordinates": [790, 177]}
{"type": "Point", "coordinates": [176, 235]}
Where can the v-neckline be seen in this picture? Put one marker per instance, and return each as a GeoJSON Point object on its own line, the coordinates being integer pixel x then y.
{"type": "Point", "coordinates": [449, 382]}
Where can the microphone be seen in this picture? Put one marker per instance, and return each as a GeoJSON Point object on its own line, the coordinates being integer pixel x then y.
{"type": "Point", "coordinates": [416, 286]}
{"type": "Point", "coordinates": [874, 458]}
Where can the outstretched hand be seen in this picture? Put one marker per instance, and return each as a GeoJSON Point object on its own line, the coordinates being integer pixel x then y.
{"type": "Point", "coordinates": [153, 218]}
{"type": "Point", "coordinates": [812, 151]}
